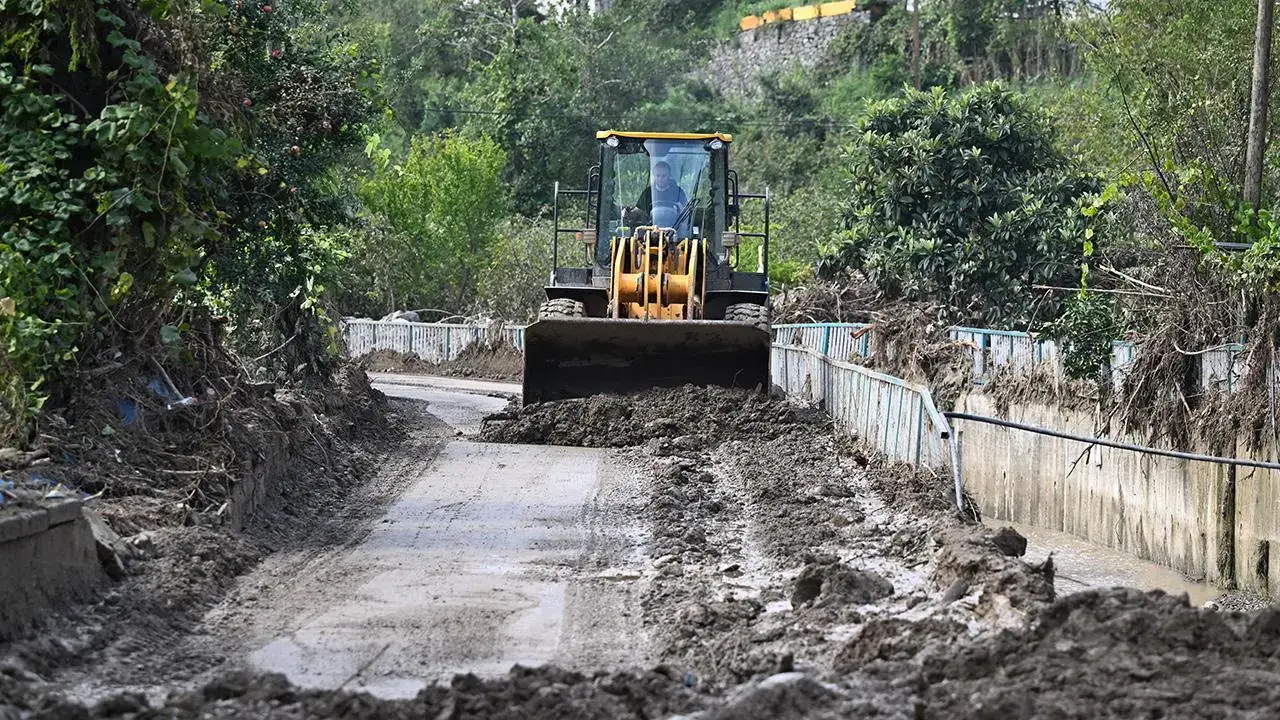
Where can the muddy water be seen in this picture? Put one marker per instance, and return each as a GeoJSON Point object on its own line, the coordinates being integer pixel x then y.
{"type": "Point", "coordinates": [1081, 565]}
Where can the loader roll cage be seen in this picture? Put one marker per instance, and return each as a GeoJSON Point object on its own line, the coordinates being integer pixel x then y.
{"type": "Point", "coordinates": [586, 233]}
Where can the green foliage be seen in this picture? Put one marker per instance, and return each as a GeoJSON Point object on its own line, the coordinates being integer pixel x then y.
{"type": "Point", "coordinates": [962, 198]}
{"type": "Point", "coordinates": [95, 212]}
{"type": "Point", "coordinates": [440, 207]}
{"type": "Point", "coordinates": [1088, 323]}
{"type": "Point", "coordinates": [513, 286]}
{"type": "Point", "coordinates": [1085, 331]}
{"type": "Point", "coordinates": [1180, 73]}
{"type": "Point", "coordinates": [131, 203]}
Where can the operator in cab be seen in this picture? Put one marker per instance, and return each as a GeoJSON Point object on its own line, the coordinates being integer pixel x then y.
{"type": "Point", "coordinates": [664, 194]}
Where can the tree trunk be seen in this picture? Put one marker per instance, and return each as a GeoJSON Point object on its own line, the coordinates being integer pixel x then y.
{"type": "Point", "coordinates": [915, 42]}
{"type": "Point", "coordinates": [1258, 106]}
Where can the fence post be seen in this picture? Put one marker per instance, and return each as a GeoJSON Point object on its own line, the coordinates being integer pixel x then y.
{"type": "Point", "coordinates": [919, 426]}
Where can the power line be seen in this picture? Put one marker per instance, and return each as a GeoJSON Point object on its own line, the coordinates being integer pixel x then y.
{"type": "Point", "coordinates": [812, 122]}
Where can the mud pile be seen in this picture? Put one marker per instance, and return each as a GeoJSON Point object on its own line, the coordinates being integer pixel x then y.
{"type": "Point", "coordinates": [678, 419]}
{"type": "Point", "coordinates": [489, 361]}
{"type": "Point", "coordinates": [536, 694]}
{"type": "Point", "coordinates": [390, 361]}
{"type": "Point", "coordinates": [1116, 653]}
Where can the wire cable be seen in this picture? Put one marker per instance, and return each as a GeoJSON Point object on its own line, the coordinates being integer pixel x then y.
{"type": "Point", "coordinates": [588, 117]}
{"type": "Point", "coordinates": [1112, 443]}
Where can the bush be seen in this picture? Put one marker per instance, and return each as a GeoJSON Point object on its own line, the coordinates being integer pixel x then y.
{"type": "Point", "coordinates": [439, 212]}
{"type": "Point", "coordinates": [963, 199]}
{"type": "Point", "coordinates": [512, 287]}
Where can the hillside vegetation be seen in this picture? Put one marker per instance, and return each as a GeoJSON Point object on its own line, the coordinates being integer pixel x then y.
{"type": "Point", "coordinates": [179, 175]}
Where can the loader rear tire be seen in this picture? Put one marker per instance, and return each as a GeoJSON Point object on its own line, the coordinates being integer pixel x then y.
{"type": "Point", "coordinates": [749, 313]}
{"type": "Point", "coordinates": [561, 308]}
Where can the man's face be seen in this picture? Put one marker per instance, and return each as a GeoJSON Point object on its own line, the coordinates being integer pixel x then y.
{"type": "Point", "coordinates": [661, 177]}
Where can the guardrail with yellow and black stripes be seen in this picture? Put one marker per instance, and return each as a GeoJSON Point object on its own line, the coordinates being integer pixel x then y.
{"type": "Point", "coordinates": [799, 12]}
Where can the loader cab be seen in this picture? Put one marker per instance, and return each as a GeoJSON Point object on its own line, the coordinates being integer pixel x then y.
{"type": "Point", "coordinates": [675, 184]}
{"type": "Point", "coordinates": [678, 182]}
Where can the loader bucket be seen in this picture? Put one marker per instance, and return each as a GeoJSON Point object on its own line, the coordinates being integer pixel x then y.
{"type": "Point", "coordinates": [578, 357]}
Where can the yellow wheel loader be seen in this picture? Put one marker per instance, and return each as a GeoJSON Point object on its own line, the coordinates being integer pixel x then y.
{"type": "Point", "coordinates": [658, 298]}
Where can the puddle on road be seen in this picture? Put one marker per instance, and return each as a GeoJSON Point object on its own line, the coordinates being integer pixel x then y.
{"type": "Point", "coordinates": [1081, 565]}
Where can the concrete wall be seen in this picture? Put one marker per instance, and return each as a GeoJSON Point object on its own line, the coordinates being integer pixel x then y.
{"type": "Point", "coordinates": [1165, 510]}
{"type": "Point", "coordinates": [48, 560]}
{"type": "Point", "coordinates": [1257, 526]}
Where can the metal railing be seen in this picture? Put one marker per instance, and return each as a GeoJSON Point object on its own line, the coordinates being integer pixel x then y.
{"type": "Point", "coordinates": [990, 350]}
{"type": "Point", "coordinates": [895, 416]}
{"type": "Point", "coordinates": [841, 341]}
{"type": "Point", "coordinates": [433, 342]}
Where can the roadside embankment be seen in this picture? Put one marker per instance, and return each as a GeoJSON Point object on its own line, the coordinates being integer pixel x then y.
{"type": "Point", "coordinates": [169, 492]}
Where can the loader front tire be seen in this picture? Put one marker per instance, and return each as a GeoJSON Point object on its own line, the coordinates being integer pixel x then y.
{"type": "Point", "coordinates": [561, 308]}
{"type": "Point", "coordinates": [757, 315]}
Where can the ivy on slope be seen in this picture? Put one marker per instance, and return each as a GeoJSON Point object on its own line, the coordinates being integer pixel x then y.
{"type": "Point", "coordinates": [142, 186]}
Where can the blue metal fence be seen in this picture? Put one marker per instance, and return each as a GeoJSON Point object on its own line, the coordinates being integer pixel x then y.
{"type": "Point", "coordinates": [990, 350]}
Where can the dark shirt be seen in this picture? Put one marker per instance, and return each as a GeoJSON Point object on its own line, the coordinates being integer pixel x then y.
{"type": "Point", "coordinates": [673, 194]}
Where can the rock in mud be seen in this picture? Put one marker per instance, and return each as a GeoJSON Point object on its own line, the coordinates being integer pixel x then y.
{"type": "Point", "coordinates": [832, 584]}
{"type": "Point", "coordinates": [967, 555]}
{"type": "Point", "coordinates": [1010, 542]}
{"type": "Point", "coordinates": [109, 543]}
{"type": "Point", "coordinates": [782, 696]}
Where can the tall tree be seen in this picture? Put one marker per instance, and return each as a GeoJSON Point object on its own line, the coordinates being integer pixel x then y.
{"type": "Point", "coordinates": [1258, 105]}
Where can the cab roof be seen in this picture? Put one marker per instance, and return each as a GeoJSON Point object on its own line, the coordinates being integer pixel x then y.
{"type": "Point", "coordinates": [723, 137]}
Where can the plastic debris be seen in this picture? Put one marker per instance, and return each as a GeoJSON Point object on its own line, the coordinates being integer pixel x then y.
{"type": "Point", "coordinates": [128, 410]}
{"type": "Point", "coordinates": [163, 391]}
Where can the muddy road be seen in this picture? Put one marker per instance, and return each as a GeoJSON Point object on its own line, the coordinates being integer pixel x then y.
{"type": "Point", "coordinates": [495, 555]}
{"type": "Point", "coordinates": [685, 553]}
{"type": "Point", "coordinates": [480, 556]}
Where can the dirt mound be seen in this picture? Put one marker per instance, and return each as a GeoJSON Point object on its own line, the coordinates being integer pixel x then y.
{"type": "Point", "coordinates": [834, 583]}
{"type": "Point", "coordinates": [1116, 653]}
{"type": "Point", "coordinates": [492, 361]}
{"type": "Point", "coordinates": [536, 693]}
{"type": "Point", "coordinates": [484, 360]}
{"type": "Point", "coordinates": [391, 361]}
{"type": "Point", "coordinates": [683, 419]}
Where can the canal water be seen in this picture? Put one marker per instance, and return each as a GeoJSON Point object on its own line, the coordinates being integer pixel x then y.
{"type": "Point", "coordinates": [1080, 565]}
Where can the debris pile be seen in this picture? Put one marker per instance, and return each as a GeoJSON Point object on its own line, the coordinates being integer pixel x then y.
{"type": "Point", "coordinates": [168, 487]}
{"type": "Point", "coordinates": [481, 359]}
{"type": "Point", "coordinates": [677, 419]}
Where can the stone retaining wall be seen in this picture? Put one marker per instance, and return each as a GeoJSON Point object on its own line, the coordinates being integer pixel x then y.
{"type": "Point", "coordinates": [735, 68]}
{"type": "Point", "coordinates": [48, 559]}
